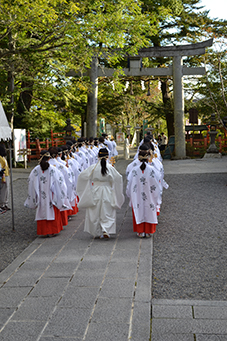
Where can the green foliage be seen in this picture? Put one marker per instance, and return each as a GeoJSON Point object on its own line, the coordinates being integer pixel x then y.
{"type": "Point", "coordinates": [41, 40]}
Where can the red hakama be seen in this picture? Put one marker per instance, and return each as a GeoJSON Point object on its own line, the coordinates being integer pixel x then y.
{"type": "Point", "coordinates": [45, 227]}
{"type": "Point", "coordinates": [143, 227]}
{"type": "Point", "coordinates": [74, 210]}
{"type": "Point", "coordinates": [64, 217]}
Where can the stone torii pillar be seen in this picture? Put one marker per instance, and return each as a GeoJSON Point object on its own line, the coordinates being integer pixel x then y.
{"type": "Point", "coordinates": [178, 100]}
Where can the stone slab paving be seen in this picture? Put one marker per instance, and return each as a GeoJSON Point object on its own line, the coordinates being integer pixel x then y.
{"type": "Point", "coordinates": [189, 320]}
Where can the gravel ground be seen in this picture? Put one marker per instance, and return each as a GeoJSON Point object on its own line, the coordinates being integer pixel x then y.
{"type": "Point", "coordinates": [12, 243]}
{"type": "Point", "coordinates": [190, 244]}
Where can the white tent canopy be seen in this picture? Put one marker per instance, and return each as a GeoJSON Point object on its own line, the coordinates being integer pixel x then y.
{"type": "Point", "coordinates": [6, 134]}
{"type": "Point", "coordinates": [5, 130]}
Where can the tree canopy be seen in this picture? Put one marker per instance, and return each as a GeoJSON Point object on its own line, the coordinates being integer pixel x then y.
{"type": "Point", "coordinates": [40, 40]}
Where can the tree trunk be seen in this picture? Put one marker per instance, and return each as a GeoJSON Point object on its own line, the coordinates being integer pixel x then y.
{"type": "Point", "coordinates": [24, 102]}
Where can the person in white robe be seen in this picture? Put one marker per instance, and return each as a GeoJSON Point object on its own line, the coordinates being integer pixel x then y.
{"type": "Point", "coordinates": [47, 193]}
{"type": "Point", "coordinates": [104, 184]}
{"type": "Point", "coordinates": [143, 190]}
{"type": "Point", "coordinates": [157, 173]}
{"type": "Point", "coordinates": [126, 148]}
{"type": "Point", "coordinates": [114, 147]}
{"type": "Point", "coordinates": [108, 143]}
{"type": "Point", "coordinates": [69, 180]}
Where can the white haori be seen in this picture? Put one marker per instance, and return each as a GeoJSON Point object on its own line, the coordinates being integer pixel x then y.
{"type": "Point", "coordinates": [73, 164]}
{"type": "Point", "coordinates": [144, 194]}
{"type": "Point", "coordinates": [114, 148]}
{"type": "Point", "coordinates": [45, 189]}
{"type": "Point", "coordinates": [68, 177]}
{"type": "Point", "coordinates": [85, 161]}
{"type": "Point", "coordinates": [154, 173]}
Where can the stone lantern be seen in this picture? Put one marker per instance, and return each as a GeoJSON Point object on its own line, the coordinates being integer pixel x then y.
{"type": "Point", "coordinates": [212, 151]}
{"type": "Point", "coordinates": [68, 130]}
{"type": "Point", "coordinates": [213, 133]}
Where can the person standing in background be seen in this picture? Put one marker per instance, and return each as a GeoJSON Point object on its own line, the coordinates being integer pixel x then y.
{"type": "Point", "coordinates": [164, 142]}
{"type": "Point", "coordinates": [4, 184]}
{"type": "Point", "coordinates": [126, 148]}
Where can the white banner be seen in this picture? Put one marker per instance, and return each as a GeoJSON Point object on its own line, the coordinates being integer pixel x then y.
{"type": "Point", "coordinates": [19, 143]}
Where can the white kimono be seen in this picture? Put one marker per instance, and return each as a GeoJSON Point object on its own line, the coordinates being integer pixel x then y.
{"type": "Point", "coordinates": [143, 190]}
{"type": "Point", "coordinates": [126, 149]}
{"type": "Point", "coordinates": [114, 148]}
{"type": "Point", "coordinates": [68, 177]}
{"type": "Point", "coordinates": [108, 196]}
{"type": "Point", "coordinates": [46, 189]}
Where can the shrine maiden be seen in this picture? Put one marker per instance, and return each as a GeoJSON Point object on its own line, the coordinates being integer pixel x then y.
{"type": "Point", "coordinates": [47, 193]}
{"type": "Point", "coordinates": [143, 190]}
{"type": "Point", "coordinates": [105, 185]}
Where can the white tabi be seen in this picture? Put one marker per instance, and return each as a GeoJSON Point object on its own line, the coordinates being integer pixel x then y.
{"type": "Point", "coordinates": [143, 192]}
{"type": "Point", "coordinates": [45, 189]}
{"type": "Point", "coordinates": [108, 196]}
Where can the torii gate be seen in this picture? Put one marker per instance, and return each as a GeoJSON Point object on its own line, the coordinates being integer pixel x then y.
{"type": "Point", "coordinates": [177, 71]}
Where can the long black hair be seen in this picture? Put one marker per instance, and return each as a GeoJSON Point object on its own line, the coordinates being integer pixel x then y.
{"type": "Point", "coordinates": [143, 155]}
{"type": "Point", "coordinates": [103, 155]}
{"type": "Point", "coordinates": [44, 158]}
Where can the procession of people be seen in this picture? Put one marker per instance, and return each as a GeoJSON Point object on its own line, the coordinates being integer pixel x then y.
{"type": "Point", "coordinates": [81, 174]}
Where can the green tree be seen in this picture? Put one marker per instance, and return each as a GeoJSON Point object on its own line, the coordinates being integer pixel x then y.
{"type": "Point", "coordinates": [41, 39]}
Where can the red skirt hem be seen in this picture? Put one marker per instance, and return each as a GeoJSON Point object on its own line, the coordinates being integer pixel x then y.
{"type": "Point", "coordinates": [45, 227]}
{"type": "Point", "coordinates": [143, 227]}
{"type": "Point", "coordinates": [74, 210]}
{"type": "Point", "coordinates": [64, 217]}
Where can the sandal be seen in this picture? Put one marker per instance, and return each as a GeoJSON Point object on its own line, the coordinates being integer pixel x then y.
{"type": "Point", "coordinates": [148, 235]}
{"type": "Point", "coordinates": [141, 235]}
{"type": "Point", "coordinates": [106, 235]}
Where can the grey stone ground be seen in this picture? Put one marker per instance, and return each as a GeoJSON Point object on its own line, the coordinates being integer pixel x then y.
{"type": "Point", "coordinates": [74, 287]}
